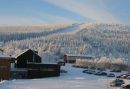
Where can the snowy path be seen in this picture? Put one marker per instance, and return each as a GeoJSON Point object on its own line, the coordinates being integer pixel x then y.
{"type": "Point", "coordinates": [16, 36]}
{"type": "Point", "coordinates": [73, 28]}
{"type": "Point", "coordinates": [74, 79]}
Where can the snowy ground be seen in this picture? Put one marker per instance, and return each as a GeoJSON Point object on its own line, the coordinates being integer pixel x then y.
{"type": "Point", "coordinates": [74, 79]}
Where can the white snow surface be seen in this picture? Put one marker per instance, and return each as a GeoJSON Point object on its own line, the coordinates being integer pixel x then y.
{"type": "Point", "coordinates": [2, 55]}
{"type": "Point", "coordinates": [74, 79]}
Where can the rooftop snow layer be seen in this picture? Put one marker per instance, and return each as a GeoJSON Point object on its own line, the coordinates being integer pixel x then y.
{"type": "Point", "coordinates": [2, 55]}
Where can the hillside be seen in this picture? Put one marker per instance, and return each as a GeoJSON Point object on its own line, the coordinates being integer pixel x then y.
{"type": "Point", "coordinates": [87, 39]}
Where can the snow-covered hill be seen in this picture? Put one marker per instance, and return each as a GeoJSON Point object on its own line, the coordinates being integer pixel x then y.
{"type": "Point", "coordinates": [86, 39]}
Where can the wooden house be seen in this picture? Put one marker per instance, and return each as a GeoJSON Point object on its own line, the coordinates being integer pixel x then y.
{"type": "Point", "coordinates": [29, 65]}
{"type": "Point", "coordinates": [28, 56]}
{"type": "Point", "coordinates": [5, 67]}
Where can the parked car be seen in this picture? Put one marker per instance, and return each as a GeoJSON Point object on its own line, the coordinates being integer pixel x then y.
{"type": "Point", "coordinates": [111, 75]}
{"type": "Point", "coordinates": [104, 73]}
{"type": "Point", "coordinates": [84, 67]}
{"type": "Point", "coordinates": [101, 73]}
{"type": "Point", "coordinates": [119, 76]}
{"type": "Point", "coordinates": [85, 71]}
{"type": "Point", "coordinates": [101, 69]}
{"type": "Point", "coordinates": [125, 86]}
{"type": "Point", "coordinates": [115, 70]}
{"type": "Point", "coordinates": [98, 73]}
{"type": "Point", "coordinates": [91, 71]}
{"type": "Point", "coordinates": [128, 77]}
{"type": "Point", "coordinates": [124, 76]}
{"type": "Point", "coordinates": [117, 82]}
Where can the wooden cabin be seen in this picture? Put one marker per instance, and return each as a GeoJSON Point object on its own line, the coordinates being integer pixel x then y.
{"type": "Point", "coordinates": [28, 56]}
{"type": "Point", "coordinates": [5, 67]}
{"type": "Point", "coordinates": [29, 65]}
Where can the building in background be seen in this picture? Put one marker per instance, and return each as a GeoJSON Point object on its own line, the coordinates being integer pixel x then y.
{"type": "Point", "coordinates": [69, 58]}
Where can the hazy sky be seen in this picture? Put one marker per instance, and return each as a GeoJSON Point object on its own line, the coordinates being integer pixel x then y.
{"type": "Point", "coordinates": [27, 12]}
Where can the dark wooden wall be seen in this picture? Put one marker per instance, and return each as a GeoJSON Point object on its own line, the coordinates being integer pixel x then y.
{"type": "Point", "coordinates": [43, 70]}
{"type": "Point", "coordinates": [4, 69]}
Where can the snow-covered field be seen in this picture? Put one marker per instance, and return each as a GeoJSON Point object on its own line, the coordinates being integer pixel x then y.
{"type": "Point", "coordinates": [74, 79]}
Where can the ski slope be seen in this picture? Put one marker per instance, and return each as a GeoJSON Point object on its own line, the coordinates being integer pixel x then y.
{"type": "Point", "coordinates": [71, 29]}
{"type": "Point", "coordinates": [74, 79]}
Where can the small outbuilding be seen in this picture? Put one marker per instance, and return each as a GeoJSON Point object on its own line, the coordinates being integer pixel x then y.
{"type": "Point", "coordinates": [70, 58]}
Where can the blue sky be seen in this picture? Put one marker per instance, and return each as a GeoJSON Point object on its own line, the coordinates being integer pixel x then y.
{"type": "Point", "coordinates": [28, 12]}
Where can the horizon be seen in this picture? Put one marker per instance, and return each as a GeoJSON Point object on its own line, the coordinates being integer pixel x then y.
{"type": "Point", "coordinates": [35, 12]}
{"type": "Point", "coordinates": [44, 24]}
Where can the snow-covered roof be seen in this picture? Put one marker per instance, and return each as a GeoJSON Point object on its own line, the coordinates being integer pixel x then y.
{"type": "Point", "coordinates": [2, 55]}
{"type": "Point", "coordinates": [41, 63]}
{"type": "Point", "coordinates": [26, 51]}
{"type": "Point", "coordinates": [73, 55]}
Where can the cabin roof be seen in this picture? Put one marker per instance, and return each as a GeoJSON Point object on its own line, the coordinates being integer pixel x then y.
{"type": "Point", "coordinates": [3, 57]}
{"type": "Point", "coordinates": [40, 63]}
{"type": "Point", "coordinates": [73, 55]}
{"type": "Point", "coordinates": [27, 51]}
